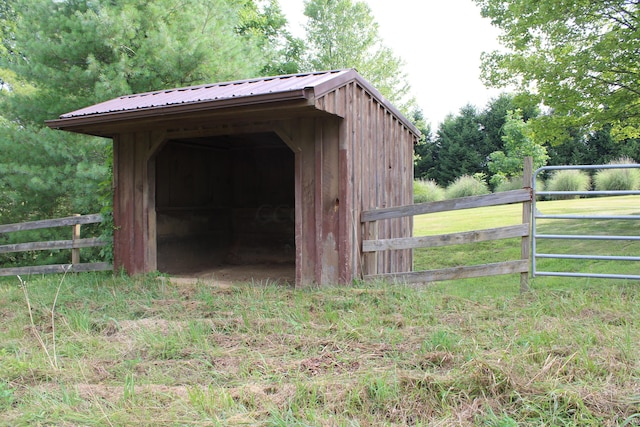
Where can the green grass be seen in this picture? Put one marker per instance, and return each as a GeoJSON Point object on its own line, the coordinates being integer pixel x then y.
{"type": "Point", "coordinates": [135, 351]}
{"type": "Point", "coordinates": [503, 250]}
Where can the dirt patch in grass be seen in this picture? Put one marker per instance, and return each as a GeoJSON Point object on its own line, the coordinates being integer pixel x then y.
{"type": "Point", "coordinates": [115, 393]}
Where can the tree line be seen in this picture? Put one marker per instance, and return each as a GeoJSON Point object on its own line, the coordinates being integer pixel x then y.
{"type": "Point", "coordinates": [483, 143]}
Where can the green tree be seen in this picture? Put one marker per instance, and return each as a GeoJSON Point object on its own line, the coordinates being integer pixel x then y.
{"type": "Point", "coordinates": [423, 156]}
{"type": "Point", "coordinates": [493, 117]}
{"type": "Point", "coordinates": [80, 52]}
{"type": "Point", "coordinates": [59, 55]}
{"type": "Point", "coordinates": [519, 142]}
{"type": "Point", "coordinates": [577, 57]}
{"type": "Point", "coordinates": [458, 147]}
{"type": "Point", "coordinates": [344, 34]}
{"type": "Point", "coordinates": [595, 148]}
{"type": "Point", "coordinates": [7, 27]}
{"type": "Point", "coordinates": [267, 24]}
{"type": "Point", "coordinates": [463, 142]}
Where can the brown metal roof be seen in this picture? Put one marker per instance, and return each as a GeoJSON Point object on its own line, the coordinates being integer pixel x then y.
{"type": "Point", "coordinates": [219, 95]}
{"type": "Point", "coordinates": [209, 92]}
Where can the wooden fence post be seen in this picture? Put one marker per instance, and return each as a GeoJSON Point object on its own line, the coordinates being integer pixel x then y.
{"type": "Point", "coordinates": [526, 219]}
{"type": "Point", "coordinates": [75, 252]}
{"type": "Point", "coordinates": [370, 258]}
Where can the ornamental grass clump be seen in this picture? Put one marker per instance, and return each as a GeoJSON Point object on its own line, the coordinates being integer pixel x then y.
{"type": "Point", "coordinates": [618, 179]}
{"type": "Point", "coordinates": [516, 183]}
{"type": "Point", "coordinates": [568, 180]}
{"type": "Point", "coordinates": [425, 191]}
{"type": "Point", "coordinates": [465, 186]}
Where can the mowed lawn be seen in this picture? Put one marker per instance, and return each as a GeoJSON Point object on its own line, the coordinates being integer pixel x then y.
{"type": "Point", "coordinates": [99, 350]}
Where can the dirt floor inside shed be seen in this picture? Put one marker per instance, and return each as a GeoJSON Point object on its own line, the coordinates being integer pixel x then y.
{"type": "Point", "coordinates": [281, 273]}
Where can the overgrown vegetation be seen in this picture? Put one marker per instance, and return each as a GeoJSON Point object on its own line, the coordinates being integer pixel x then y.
{"type": "Point", "coordinates": [568, 180]}
{"type": "Point", "coordinates": [465, 186]}
{"type": "Point", "coordinates": [425, 191]}
{"type": "Point", "coordinates": [475, 352]}
{"type": "Point", "coordinates": [618, 179]}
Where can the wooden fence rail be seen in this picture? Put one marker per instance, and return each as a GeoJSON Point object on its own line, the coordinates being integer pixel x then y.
{"type": "Point", "coordinates": [74, 244]}
{"type": "Point", "coordinates": [371, 246]}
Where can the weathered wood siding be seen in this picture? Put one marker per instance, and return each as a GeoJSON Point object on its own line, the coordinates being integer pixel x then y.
{"type": "Point", "coordinates": [317, 194]}
{"type": "Point", "coordinates": [357, 157]}
{"type": "Point", "coordinates": [376, 155]}
{"type": "Point", "coordinates": [134, 202]}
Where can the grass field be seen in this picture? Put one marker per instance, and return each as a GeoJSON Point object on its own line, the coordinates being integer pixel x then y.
{"type": "Point", "coordinates": [99, 350]}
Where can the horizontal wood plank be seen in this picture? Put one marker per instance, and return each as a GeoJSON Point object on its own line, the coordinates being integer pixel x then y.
{"type": "Point", "coordinates": [90, 242]}
{"type": "Point", "coordinates": [520, 230]}
{"type": "Point", "coordinates": [56, 268]}
{"type": "Point", "coordinates": [464, 272]}
{"type": "Point", "coordinates": [502, 198]}
{"type": "Point", "coordinates": [49, 223]}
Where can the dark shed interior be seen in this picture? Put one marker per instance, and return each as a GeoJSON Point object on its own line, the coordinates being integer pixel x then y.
{"type": "Point", "coordinates": [225, 200]}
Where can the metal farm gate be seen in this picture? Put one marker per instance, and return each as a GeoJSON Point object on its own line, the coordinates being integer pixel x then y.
{"type": "Point", "coordinates": [536, 235]}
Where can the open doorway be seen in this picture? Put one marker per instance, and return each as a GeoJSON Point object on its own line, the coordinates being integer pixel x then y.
{"type": "Point", "coordinates": [225, 207]}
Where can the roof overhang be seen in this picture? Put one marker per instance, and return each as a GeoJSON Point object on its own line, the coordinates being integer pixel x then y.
{"type": "Point", "coordinates": [110, 118]}
{"type": "Point", "coordinates": [107, 124]}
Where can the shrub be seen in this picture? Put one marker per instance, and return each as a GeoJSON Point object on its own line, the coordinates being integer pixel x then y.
{"type": "Point", "coordinates": [515, 183]}
{"type": "Point", "coordinates": [465, 186]}
{"type": "Point", "coordinates": [427, 191]}
{"type": "Point", "coordinates": [568, 180]}
{"type": "Point", "coordinates": [618, 179]}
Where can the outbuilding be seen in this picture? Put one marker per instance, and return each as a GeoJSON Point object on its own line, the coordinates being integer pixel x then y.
{"type": "Point", "coordinates": [272, 170]}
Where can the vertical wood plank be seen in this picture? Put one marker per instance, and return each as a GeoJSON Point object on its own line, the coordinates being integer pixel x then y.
{"type": "Point", "coordinates": [75, 235]}
{"type": "Point", "coordinates": [141, 140]}
{"type": "Point", "coordinates": [409, 141]}
{"type": "Point", "coordinates": [355, 182]}
{"type": "Point", "coordinates": [387, 190]}
{"type": "Point", "coordinates": [396, 193]}
{"type": "Point", "coordinates": [330, 204]}
{"type": "Point", "coordinates": [318, 189]}
{"type": "Point", "coordinates": [298, 212]}
{"type": "Point", "coordinates": [362, 174]}
{"type": "Point", "coordinates": [306, 236]}
{"type": "Point", "coordinates": [124, 221]}
{"type": "Point", "coordinates": [345, 190]}
{"type": "Point", "coordinates": [152, 233]}
{"type": "Point", "coordinates": [370, 187]}
{"type": "Point", "coordinates": [117, 264]}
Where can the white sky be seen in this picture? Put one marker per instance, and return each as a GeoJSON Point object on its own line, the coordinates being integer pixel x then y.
{"type": "Point", "coordinates": [440, 42]}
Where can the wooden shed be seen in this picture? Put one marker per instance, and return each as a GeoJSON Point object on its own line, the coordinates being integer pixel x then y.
{"type": "Point", "coordinates": [272, 170]}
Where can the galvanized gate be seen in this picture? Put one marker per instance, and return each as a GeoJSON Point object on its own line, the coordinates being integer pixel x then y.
{"type": "Point", "coordinates": [535, 235]}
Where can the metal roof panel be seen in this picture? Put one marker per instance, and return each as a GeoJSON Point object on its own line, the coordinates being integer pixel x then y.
{"type": "Point", "coordinates": [309, 86]}
{"type": "Point", "coordinates": [209, 92]}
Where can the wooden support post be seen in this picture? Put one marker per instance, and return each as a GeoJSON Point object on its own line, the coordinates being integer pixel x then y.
{"type": "Point", "coordinates": [526, 219]}
{"type": "Point", "coordinates": [75, 252]}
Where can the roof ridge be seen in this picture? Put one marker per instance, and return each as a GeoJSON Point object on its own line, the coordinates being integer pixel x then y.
{"type": "Point", "coordinates": [232, 82]}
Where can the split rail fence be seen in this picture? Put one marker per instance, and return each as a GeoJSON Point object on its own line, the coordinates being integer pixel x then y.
{"type": "Point", "coordinates": [75, 243]}
{"type": "Point", "coordinates": [522, 265]}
